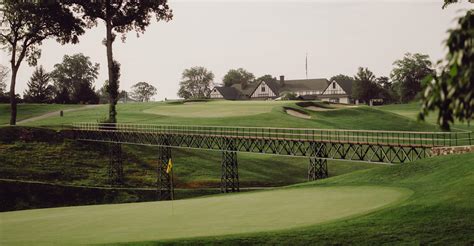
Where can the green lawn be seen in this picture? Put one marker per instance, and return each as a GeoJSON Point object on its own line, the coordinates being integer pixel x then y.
{"type": "Point", "coordinates": [26, 111]}
{"type": "Point", "coordinates": [244, 113]}
{"type": "Point", "coordinates": [429, 201]}
{"type": "Point", "coordinates": [212, 109]}
{"type": "Point", "coordinates": [412, 110]}
{"type": "Point", "coordinates": [440, 211]}
{"type": "Point", "coordinates": [211, 216]}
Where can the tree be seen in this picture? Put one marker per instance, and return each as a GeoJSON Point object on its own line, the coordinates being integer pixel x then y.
{"type": "Point", "coordinates": [29, 23]}
{"type": "Point", "coordinates": [238, 76]}
{"type": "Point", "coordinates": [409, 73]}
{"type": "Point", "coordinates": [266, 78]}
{"type": "Point", "coordinates": [365, 87]}
{"type": "Point", "coordinates": [121, 17]}
{"type": "Point", "coordinates": [451, 90]}
{"type": "Point", "coordinates": [3, 79]}
{"type": "Point", "coordinates": [341, 78]}
{"type": "Point", "coordinates": [40, 89]}
{"type": "Point", "coordinates": [3, 84]}
{"type": "Point", "coordinates": [75, 76]}
{"type": "Point", "coordinates": [385, 89]}
{"type": "Point", "coordinates": [196, 83]}
{"type": "Point", "coordinates": [142, 91]}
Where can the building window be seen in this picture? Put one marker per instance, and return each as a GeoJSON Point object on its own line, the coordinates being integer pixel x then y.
{"type": "Point", "coordinates": [334, 85]}
{"type": "Point", "coordinates": [263, 88]}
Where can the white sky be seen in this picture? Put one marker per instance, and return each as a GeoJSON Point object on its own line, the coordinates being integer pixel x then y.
{"type": "Point", "coordinates": [265, 37]}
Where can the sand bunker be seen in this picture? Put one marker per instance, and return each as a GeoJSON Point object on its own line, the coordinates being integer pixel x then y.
{"type": "Point", "coordinates": [295, 113]}
{"type": "Point", "coordinates": [318, 109]}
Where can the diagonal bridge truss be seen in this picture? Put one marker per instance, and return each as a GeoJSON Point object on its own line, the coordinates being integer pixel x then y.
{"type": "Point", "coordinates": [319, 145]}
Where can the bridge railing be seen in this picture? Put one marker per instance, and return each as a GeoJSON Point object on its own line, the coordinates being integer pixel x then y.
{"type": "Point", "coordinates": [389, 138]}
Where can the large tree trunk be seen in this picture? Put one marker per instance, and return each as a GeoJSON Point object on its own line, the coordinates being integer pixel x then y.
{"type": "Point", "coordinates": [113, 87]}
{"type": "Point", "coordinates": [13, 97]}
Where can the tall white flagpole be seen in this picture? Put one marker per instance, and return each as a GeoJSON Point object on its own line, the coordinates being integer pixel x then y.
{"type": "Point", "coordinates": [306, 65]}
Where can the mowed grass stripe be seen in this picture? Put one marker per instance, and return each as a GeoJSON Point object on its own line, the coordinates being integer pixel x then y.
{"type": "Point", "coordinates": [211, 216]}
{"type": "Point", "coordinates": [244, 113]}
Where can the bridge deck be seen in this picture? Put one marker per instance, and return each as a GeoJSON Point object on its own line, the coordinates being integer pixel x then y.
{"type": "Point", "coordinates": [384, 138]}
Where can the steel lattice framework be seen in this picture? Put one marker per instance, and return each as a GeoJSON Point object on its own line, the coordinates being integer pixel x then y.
{"type": "Point", "coordinates": [165, 183]}
{"type": "Point", "coordinates": [317, 144]}
{"type": "Point", "coordinates": [230, 171]}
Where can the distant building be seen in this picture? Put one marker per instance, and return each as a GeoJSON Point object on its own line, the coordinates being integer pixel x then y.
{"type": "Point", "coordinates": [306, 89]}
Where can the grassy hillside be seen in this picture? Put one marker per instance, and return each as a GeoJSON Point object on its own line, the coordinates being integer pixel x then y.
{"type": "Point", "coordinates": [26, 111]}
{"type": "Point", "coordinates": [412, 110]}
{"type": "Point", "coordinates": [86, 165]}
{"type": "Point", "coordinates": [219, 215]}
{"type": "Point", "coordinates": [438, 210]}
{"type": "Point", "coordinates": [244, 113]}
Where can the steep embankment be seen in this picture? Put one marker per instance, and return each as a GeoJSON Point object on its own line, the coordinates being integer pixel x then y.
{"type": "Point", "coordinates": [439, 210]}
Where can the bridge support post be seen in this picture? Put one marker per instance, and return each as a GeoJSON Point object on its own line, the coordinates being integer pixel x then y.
{"type": "Point", "coordinates": [318, 167]}
{"type": "Point", "coordinates": [230, 170]}
{"type": "Point", "coordinates": [115, 168]}
{"type": "Point", "coordinates": [165, 182]}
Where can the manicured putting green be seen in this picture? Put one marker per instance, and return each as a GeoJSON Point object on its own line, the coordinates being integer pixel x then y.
{"type": "Point", "coordinates": [215, 108]}
{"type": "Point", "coordinates": [211, 216]}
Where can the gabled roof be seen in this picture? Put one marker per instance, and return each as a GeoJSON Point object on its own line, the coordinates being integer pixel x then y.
{"type": "Point", "coordinates": [274, 86]}
{"type": "Point", "coordinates": [248, 90]}
{"type": "Point", "coordinates": [346, 85]}
{"type": "Point", "coordinates": [229, 93]}
{"type": "Point", "coordinates": [305, 84]}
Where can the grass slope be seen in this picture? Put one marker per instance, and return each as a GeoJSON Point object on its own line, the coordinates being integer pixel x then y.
{"type": "Point", "coordinates": [270, 114]}
{"type": "Point", "coordinates": [86, 165]}
{"type": "Point", "coordinates": [412, 110]}
{"type": "Point", "coordinates": [26, 111]}
{"type": "Point", "coordinates": [440, 212]}
{"type": "Point", "coordinates": [244, 212]}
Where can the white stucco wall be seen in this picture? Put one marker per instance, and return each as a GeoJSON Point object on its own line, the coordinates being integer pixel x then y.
{"type": "Point", "coordinates": [333, 88]}
{"type": "Point", "coordinates": [216, 94]}
{"type": "Point", "coordinates": [259, 92]}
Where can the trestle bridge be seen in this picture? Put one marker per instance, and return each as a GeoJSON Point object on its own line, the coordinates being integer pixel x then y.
{"type": "Point", "coordinates": [319, 145]}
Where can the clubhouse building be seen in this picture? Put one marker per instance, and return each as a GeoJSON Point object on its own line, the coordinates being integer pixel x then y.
{"type": "Point", "coordinates": [305, 89]}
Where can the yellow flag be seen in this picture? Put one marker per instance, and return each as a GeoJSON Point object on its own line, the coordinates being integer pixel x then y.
{"type": "Point", "coordinates": [169, 167]}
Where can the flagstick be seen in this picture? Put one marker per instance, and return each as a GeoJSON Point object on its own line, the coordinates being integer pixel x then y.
{"type": "Point", "coordinates": [172, 190]}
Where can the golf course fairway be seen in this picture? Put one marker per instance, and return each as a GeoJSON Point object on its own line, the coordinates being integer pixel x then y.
{"type": "Point", "coordinates": [208, 216]}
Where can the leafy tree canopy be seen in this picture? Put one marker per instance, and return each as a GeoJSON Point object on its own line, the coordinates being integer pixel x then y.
{"type": "Point", "coordinates": [120, 17]}
{"type": "Point", "coordinates": [142, 91]}
{"type": "Point", "coordinates": [76, 75]}
{"type": "Point", "coordinates": [409, 73]}
{"type": "Point", "coordinates": [196, 83]}
{"type": "Point", "coordinates": [3, 79]}
{"type": "Point", "coordinates": [451, 89]}
{"type": "Point", "coordinates": [266, 78]}
{"type": "Point", "coordinates": [238, 76]}
{"type": "Point", "coordinates": [364, 87]}
{"type": "Point", "coordinates": [28, 24]}
{"type": "Point", "coordinates": [341, 78]}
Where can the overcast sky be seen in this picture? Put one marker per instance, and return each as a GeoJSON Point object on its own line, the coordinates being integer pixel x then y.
{"type": "Point", "coordinates": [266, 37]}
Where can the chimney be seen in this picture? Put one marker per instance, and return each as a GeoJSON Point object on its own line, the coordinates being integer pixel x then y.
{"type": "Point", "coordinates": [282, 80]}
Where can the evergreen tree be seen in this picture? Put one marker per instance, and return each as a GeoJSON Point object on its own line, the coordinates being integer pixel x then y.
{"type": "Point", "coordinates": [39, 89]}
